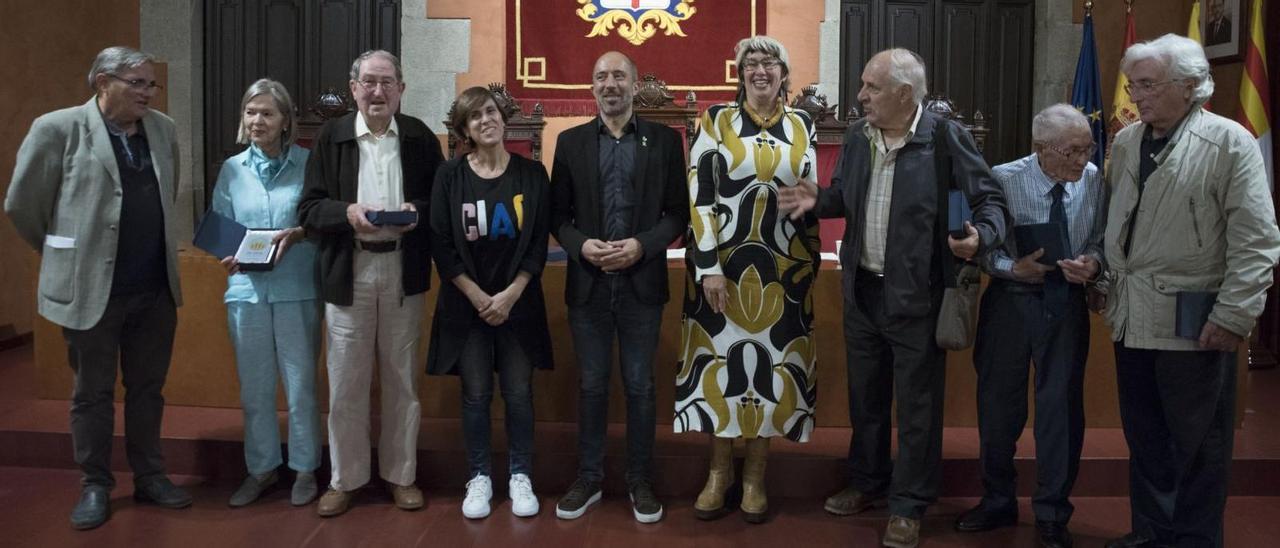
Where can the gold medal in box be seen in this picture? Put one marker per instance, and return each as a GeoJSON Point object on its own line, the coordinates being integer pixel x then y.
{"type": "Point", "coordinates": [257, 250]}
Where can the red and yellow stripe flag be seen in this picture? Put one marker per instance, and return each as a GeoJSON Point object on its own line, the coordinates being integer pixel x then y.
{"type": "Point", "coordinates": [1193, 27]}
{"type": "Point", "coordinates": [1255, 92]}
{"type": "Point", "coordinates": [1123, 111]}
{"type": "Point", "coordinates": [1193, 32]}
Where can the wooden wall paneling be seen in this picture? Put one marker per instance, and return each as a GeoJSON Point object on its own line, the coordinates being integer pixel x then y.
{"type": "Point", "coordinates": [977, 53]}
{"type": "Point", "coordinates": [909, 24]}
{"type": "Point", "coordinates": [282, 31]}
{"type": "Point", "coordinates": [307, 45]}
{"type": "Point", "coordinates": [225, 47]}
{"type": "Point", "coordinates": [961, 35]}
{"type": "Point", "coordinates": [857, 46]}
{"type": "Point", "coordinates": [387, 25]}
{"type": "Point", "coordinates": [338, 23]}
{"type": "Point", "coordinates": [1008, 103]}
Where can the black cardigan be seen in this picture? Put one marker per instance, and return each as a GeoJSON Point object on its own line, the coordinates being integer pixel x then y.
{"type": "Point", "coordinates": [455, 317]}
{"type": "Point", "coordinates": [330, 186]}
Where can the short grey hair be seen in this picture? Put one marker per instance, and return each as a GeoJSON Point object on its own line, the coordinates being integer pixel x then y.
{"type": "Point", "coordinates": [115, 59]}
{"type": "Point", "coordinates": [768, 46]}
{"type": "Point", "coordinates": [395, 62]}
{"type": "Point", "coordinates": [1053, 121]}
{"type": "Point", "coordinates": [1182, 58]}
{"type": "Point", "coordinates": [906, 68]}
{"type": "Point", "coordinates": [284, 103]}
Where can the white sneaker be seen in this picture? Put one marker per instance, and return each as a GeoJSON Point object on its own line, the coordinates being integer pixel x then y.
{"type": "Point", "coordinates": [523, 502]}
{"type": "Point", "coordinates": [479, 493]}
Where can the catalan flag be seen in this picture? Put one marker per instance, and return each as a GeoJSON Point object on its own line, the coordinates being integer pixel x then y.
{"type": "Point", "coordinates": [1086, 91]}
{"type": "Point", "coordinates": [1255, 93]}
{"type": "Point", "coordinates": [1193, 26]}
{"type": "Point", "coordinates": [1123, 111]}
{"type": "Point", "coordinates": [1193, 32]}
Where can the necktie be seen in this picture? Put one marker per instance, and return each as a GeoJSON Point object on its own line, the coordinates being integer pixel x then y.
{"type": "Point", "coordinates": [1055, 286]}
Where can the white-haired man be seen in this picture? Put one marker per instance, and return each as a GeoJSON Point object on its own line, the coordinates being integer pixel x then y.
{"type": "Point", "coordinates": [1035, 311]}
{"type": "Point", "coordinates": [1190, 220]}
{"type": "Point", "coordinates": [93, 191]}
{"type": "Point", "coordinates": [896, 167]}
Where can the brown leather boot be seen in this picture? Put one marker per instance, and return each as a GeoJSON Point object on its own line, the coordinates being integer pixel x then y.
{"type": "Point", "coordinates": [755, 506]}
{"type": "Point", "coordinates": [711, 503]}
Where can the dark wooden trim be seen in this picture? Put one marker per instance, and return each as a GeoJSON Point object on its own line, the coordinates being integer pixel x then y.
{"type": "Point", "coordinates": [16, 341]}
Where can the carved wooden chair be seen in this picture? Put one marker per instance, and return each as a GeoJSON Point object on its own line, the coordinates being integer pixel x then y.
{"type": "Point", "coordinates": [654, 102]}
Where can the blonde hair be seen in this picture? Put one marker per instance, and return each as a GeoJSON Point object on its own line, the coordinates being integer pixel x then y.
{"type": "Point", "coordinates": [284, 104]}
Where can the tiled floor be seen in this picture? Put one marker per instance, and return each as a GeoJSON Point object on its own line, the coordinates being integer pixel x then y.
{"type": "Point", "coordinates": [37, 496]}
{"type": "Point", "coordinates": [37, 502]}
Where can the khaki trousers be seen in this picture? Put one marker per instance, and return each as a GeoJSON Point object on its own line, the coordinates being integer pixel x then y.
{"type": "Point", "coordinates": [381, 326]}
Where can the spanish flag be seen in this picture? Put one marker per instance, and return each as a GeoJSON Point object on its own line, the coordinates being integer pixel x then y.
{"type": "Point", "coordinates": [1255, 93]}
{"type": "Point", "coordinates": [1123, 111]}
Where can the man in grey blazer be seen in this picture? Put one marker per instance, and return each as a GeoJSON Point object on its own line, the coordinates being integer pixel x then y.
{"type": "Point", "coordinates": [92, 192]}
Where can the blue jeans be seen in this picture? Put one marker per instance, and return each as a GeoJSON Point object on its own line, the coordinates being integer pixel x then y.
{"type": "Point", "coordinates": [489, 349]}
{"type": "Point", "coordinates": [613, 308]}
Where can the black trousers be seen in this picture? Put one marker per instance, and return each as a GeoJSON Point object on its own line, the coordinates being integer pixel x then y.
{"type": "Point", "coordinates": [1177, 408]}
{"type": "Point", "coordinates": [887, 356]}
{"type": "Point", "coordinates": [1015, 329]}
{"type": "Point", "coordinates": [136, 331]}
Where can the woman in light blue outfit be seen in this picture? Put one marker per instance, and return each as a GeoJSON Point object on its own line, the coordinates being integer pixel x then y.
{"type": "Point", "coordinates": [274, 315]}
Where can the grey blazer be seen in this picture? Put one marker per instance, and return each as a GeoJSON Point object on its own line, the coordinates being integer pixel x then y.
{"type": "Point", "coordinates": [65, 200]}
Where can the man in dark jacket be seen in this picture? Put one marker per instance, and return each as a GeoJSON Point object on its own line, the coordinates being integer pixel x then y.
{"type": "Point", "coordinates": [619, 199]}
{"type": "Point", "coordinates": [372, 277]}
{"type": "Point", "coordinates": [896, 162]}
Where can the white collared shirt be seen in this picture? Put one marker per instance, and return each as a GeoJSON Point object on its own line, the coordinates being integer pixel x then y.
{"type": "Point", "coordinates": [884, 157]}
{"type": "Point", "coordinates": [380, 182]}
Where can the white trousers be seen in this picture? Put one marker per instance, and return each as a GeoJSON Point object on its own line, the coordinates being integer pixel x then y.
{"type": "Point", "coordinates": [379, 327]}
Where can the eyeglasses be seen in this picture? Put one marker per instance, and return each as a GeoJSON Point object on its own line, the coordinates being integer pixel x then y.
{"type": "Point", "coordinates": [370, 85]}
{"type": "Point", "coordinates": [767, 63]}
{"type": "Point", "coordinates": [138, 83]}
{"type": "Point", "coordinates": [1145, 87]}
{"type": "Point", "coordinates": [1082, 152]}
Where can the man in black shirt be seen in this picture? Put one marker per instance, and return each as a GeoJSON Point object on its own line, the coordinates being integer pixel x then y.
{"type": "Point", "coordinates": [618, 200]}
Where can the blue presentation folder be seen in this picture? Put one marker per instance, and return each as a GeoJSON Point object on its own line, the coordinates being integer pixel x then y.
{"type": "Point", "coordinates": [957, 213]}
{"type": "Point", "coordinates": [219, 235]}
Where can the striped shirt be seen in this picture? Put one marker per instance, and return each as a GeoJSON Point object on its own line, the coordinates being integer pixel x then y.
{"type": "Point", "coordinates": [1027, 191]}
{"type": "Point", "coordinates": [884, 159]}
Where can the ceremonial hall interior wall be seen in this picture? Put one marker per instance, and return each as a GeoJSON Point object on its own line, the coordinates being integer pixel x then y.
{"type": "Point", "coordinates": [49, 74]}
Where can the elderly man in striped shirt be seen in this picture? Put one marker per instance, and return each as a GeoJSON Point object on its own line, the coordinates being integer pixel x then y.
{"type": "Point", "coordinates": [1034, 311]}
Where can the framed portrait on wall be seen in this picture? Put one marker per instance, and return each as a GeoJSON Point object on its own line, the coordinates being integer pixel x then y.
{"type": "Point", "coordinates": [1221, 29]}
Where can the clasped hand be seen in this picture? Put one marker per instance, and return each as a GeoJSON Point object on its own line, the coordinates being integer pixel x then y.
{"type": "Point", "coordinates": [612, 256]}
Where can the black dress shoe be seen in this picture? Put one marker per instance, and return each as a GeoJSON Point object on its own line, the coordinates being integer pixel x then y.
{"type": "Point", "coordinates": [161, 491]}
{"type": "Point", "coordinates": [981, 518]}
{"type": "Point", "coordinates": [1053, 534]}
{"type": "Point", "coordinates": [93, 509]}
{"type": "Point", "coordinates": [1131, 540]}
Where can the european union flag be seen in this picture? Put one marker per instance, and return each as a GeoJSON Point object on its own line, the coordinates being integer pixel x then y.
{"type": "Point", "coordinates": [1086, 92]}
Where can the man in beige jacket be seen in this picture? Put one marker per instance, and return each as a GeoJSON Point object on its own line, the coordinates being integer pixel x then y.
{"type": "Point", "coordinates": [1190, 217]}
{"type": "Point", "coordinates": [93, 191]}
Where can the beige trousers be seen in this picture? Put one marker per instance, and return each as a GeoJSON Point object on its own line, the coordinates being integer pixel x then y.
{"type": "Point", "coordinates": [379, 327]}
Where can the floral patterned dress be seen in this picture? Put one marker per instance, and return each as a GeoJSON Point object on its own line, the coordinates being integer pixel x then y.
{"type": "Point", "coordinates": [749, 371]}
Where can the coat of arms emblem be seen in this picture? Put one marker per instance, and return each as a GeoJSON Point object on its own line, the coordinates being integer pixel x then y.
{"type": "Point", "coordinates": [636, 20]}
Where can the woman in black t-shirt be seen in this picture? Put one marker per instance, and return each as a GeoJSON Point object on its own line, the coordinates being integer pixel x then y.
{"type": "Point", "coordinates": [489, 223]}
